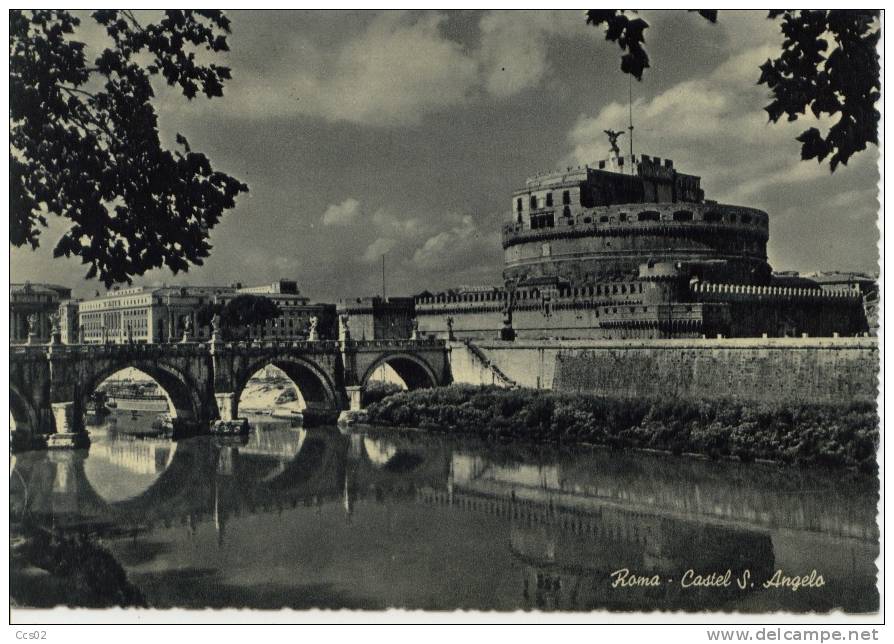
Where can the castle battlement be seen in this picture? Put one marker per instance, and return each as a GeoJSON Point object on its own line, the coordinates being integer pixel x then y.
{"type": "Point", "coordinates": [751, 291]}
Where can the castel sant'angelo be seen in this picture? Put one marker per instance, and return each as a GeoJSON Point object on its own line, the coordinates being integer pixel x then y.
{"type": "Point", "coordinates": [631, 248]}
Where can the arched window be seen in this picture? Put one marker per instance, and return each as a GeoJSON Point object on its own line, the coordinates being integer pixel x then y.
{"type": "Point", "coordinates": [648, 215]}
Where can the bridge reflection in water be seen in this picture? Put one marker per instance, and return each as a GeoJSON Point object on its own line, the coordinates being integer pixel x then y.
{"type": "Point", "coordinates": [304, 518]}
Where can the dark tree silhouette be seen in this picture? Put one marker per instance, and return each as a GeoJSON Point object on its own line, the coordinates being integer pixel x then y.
{"type": "Point", "coordinates": [828, 64]}
{"type": "Point", "coordinates": [84, 141]}
{"type": "Point", "coordinates": [239, 314]}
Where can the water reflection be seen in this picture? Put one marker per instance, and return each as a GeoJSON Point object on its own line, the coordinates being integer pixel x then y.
{"type": "Point", "coordinates": [313, 517]}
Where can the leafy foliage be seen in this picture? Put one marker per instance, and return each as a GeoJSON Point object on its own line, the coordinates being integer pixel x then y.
{"type": "Point", "coordinates": [377, 390]}
{"type": "Point", "coordinates": [245, 310]}
{"type": "Point", "coordinates": [828, 63]}
{"type": "Point", "coordinates": [240, 313]}
{"type": "Point", "coordinates": [84, 140]}
{"type": "Point", "coordinates": [834, 435]}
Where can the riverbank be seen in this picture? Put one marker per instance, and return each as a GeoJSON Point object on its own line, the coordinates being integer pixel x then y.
{"type": "Point", "coordinates": [843, 435]}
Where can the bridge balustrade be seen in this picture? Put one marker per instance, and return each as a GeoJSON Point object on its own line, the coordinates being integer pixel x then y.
{"type": "Point", "coordinates": [51, 383]}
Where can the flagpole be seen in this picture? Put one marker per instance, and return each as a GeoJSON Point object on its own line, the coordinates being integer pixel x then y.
{"type": "Point", "coordinates": [630, 117]}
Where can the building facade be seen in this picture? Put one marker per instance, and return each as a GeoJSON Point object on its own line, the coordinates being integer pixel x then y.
{"type": "Point", "coordinates": [143, 314]}
{"type": "Point", "coordinates": [32, 308]}
{"type": "Point", "coordinates": [296, 312]}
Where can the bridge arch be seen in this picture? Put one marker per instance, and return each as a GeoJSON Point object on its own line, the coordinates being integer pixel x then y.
{"type": "Point", "coordinates": [313, 383]}
{"type": "Point", "coordinates": [413, 370]}
{"type": "Point", "coordinates": [23, 412]}
{"type": "Point", "coordinates": [184, 397]}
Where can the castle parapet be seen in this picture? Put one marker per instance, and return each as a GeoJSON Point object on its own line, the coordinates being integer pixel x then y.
{"type": "Point", "coordinates": [746, 291]}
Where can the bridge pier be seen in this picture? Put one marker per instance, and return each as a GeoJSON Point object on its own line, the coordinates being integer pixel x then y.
{"type": "Point", "coordinates": [355, 394]}
{"type": "Point", "coordinates": [355, 412]}
{"type": "Point", "coordinates": [226, 405]}
{"type": "Point", "coordinates": [69, 427]}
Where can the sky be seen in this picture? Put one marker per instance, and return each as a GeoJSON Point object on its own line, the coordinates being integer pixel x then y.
{"type": "Point", "coordinates": [361, 134]}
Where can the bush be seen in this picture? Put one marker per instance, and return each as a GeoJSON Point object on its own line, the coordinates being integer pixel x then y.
{"type": "Point", "coordinates": [378, 390]}
{"type": "Point", "coordinates": [833, 435]}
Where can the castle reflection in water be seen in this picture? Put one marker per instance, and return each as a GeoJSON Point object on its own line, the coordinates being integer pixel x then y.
{"type": "Point", "coordinates": [304, 518]}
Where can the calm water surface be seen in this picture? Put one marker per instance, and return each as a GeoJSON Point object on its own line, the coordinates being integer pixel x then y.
{"type": "Point", "coordinates": [321, 518]}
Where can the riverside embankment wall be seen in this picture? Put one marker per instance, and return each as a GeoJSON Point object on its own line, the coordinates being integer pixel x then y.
{"type": "Point", "coordinates": [770, 369]}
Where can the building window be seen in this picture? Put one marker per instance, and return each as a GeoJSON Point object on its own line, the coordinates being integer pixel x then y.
{"type": "Point", "coordinates": [713, 217]}
{"type": "Point", "coordinates": [519, 205]}
{"type": "Point", "coordinates": [542, 221]}
{"type": "Point", "coordinates": [566, 211]}
{"type": "Point", "coordinates": [549, 199]}
{"type": "Point", "coordinates": [566, 197]}
{"type": "Point", "coordinates": [683, 215]}
{"type": "Point", "coordinates": [533, 202]}
{"type": "Point", "coordinates": [648, 215]}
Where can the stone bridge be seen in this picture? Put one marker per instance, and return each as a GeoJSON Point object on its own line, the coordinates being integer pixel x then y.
{"type": "Point", "coordinates": [50, 385]}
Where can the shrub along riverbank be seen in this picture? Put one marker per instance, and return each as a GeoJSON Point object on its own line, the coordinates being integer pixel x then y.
{"type": "Point", "coordinates": [836, 435]}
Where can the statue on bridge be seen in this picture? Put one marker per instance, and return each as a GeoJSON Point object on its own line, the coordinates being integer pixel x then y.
{"type": "Point", "coordinates": [312, 334]}
{"type": "Point", "coordinates": [33, 327]}
{"type": "Point", "coordinates": [507, 332]}
{"type": "Point", "coordinates": [450, 335]}
{"type": "Point", "coordinates": [344, 327]}
{"type": "Point", "coordinates": [215, 327]}
{"type": "Point", "coordinates": [414, 329]}
{"type": "Point", "coordinates": [55, 328]}
{"type": "Point", "coordinates": [187, 328]}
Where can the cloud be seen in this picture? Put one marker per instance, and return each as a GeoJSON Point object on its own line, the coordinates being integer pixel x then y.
{"type": "Point", "coordinates": [345, 212]}
{"type": "Point", "coordinates": [715, 127]}
{"type": "Point", "coordinates": [462, 246]}
{"type": "Point", "coordinates": [395, 71]}
{"type": "Point", "coordinates": [386, 220]}
{"type": "Point", "coordinates": [379, 247]}
{"type": "Point", "coordinates": [514, 47]}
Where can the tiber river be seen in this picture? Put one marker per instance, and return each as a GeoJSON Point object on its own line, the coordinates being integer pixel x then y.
{"type": "Point", "coordinates": [289, 517]}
